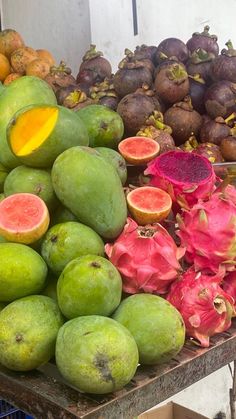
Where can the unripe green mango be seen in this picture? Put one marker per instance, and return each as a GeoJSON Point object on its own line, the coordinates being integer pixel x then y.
{"type": "Point", "coordinates": [90, 187]}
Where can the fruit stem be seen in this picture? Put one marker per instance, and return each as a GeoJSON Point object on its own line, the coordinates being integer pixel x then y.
{"type": "Point", "coordinates": [177, 73]}
{"type": "Point", "coordinates": [229, 44]}
{"type": "Point", "coordinates": [92, 53]}
{"type": "Point", "coordinates": [206, 33]}
{"type": "Point", "coordinates": [201, 56]}
{"type": "Point", "coordinates": [156, 120]}
{"type": "Point", "coordinates": [230, 118]}
{"type": "Point", "coordinates": [197, 77]}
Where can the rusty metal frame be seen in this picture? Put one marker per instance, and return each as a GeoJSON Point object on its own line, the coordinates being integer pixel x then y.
{"type": "Point", "coordinates": [44, 394]}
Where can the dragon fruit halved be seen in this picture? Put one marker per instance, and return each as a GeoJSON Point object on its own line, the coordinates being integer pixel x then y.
{"type": "Point", "coordinates": [146, 257]}
{"type": "Point", "coordinates": [203, 304]}
{"type": "Point", "coordinates": [229, 286]}
{"type": "Point", "coordinates": [187, 177]}
{"type": "Point", "coordinates": [208, 231]}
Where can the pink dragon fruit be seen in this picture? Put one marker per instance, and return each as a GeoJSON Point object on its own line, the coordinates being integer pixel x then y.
{"type": "Point", "coordinates": [229, 286]}
{"type": "Point", "coordinates": [203, 304]}
{"type": "Point", "coordinates": [187, 177]}
{"type": "Point", "coordinates": [208, 231]}
{"type": "Point", "coordinates": [146, 257]}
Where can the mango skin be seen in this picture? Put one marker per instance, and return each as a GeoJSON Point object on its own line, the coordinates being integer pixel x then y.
{"type": "Point", "coordinates": [116, 160]}
{"type": "Point", "coordinates": [51, 287]}
{"type": "Point", "coordinates": [31, 180]}
{"type": "Point", "coordinates": [96, 354]}
{"type": "Point", "coordinates": [69, 131]}
{"type": "Point", "coordinates": [24, 91]}
{"type": "Point", "coordinates": [22, 271]}
{"type": "Point", "coordinates": [66, 241]}
{"type": "Point", "coordinates": [156, 326]}
{"type": "Point", "coordinates": [3, 174]}
{"type": "Point", "coordinates": [61, 215]}
{"type": "Point", "coordinates": [89, 285]}
{"type": "Point", "coordinates": [28, 331]}
{"type": "Point", "coordinates": [91, 189]}
{"type": "Point", "coordinates": [105, 126]}
{"type": "Point", "coordinates": [2, 306]}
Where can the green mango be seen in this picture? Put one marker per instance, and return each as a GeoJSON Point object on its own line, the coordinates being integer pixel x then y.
{"type": "Point", "coordinates": [91, 189]}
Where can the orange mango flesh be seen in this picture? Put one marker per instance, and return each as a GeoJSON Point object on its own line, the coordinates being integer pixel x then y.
{"type": "Point", "coordinates": [32, 128]}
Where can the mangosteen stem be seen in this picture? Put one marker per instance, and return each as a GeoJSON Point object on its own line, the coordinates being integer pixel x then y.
{"type": "Point", "coordinates": [163, 56]}
{"type": "Point", "coordinates": [206, 33]}
{"type": "Point", "coordinates": [197, 77]}
{"type": "Point", "coordinates": [156, 120]}
{"type": "Point", "coordinates": [177, 73]}
{"type": "Point", "coordinates": [201, 56]}
{"type": "Point", "coordinates": [230, 118]}
{"type": "Point", "coordinates": [92, 53]}
{"type": "Point", "coordinates": [229, 44]}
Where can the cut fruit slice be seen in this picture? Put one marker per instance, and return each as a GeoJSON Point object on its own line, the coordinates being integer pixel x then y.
{"type": "Point", "coordinates": [32, 129]}
{"type": "Point", "coordinates": [24, 218]}
{"type": "Point", "coordinates": [149, 205]}
{"type": "Point", "coordinates": [138, 150]}
{"type": "Point", "coordinates": [37, 134]}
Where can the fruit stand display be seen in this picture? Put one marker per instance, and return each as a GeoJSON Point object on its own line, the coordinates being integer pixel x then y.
{"type": "Point", "coordinates": [117, 226]}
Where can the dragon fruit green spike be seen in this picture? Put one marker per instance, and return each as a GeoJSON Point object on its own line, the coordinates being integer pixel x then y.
{"type": "Point", "coordinates": [146, 257]}
{"type": "Point", "coordinates": [208, 231]}
{"type": "Point", "coordinates": [186, 176]}
{"type": "Point", "coordinates": [205, 307]}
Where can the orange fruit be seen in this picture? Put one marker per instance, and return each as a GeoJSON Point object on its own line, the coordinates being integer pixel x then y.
{"type": "Point", "coordinates": [10, 40]}
{"type": "Point", "coordinates": [5, 67]}
{"type": "Point", "coordinates": [11, 77]}
{"type": "Point", "coordinates": [46, 56]}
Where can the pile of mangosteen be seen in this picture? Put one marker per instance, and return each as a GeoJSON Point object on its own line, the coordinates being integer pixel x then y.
{"type": "Point", "coordinates": [182, 95]}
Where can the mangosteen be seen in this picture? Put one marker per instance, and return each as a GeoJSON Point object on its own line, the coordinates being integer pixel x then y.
{"type": "Point", "coordinates": [145, 52]}
{"type": "Point", "coordinates": [134, 109]}
{"type": "Point", "coordinates": [203, 40]}
{"type": "Point", "coordinates": [214, 131]}
{"type": "Point", "coordinates": [64, 92]}
{"type": "Point", "coordinates": [172, 47]}
{"type": "Point", "coordinates": [94, 61]}
{"type": "Point", "coordinates": [197, 89]}
{"type": "Point", "coordinates": [183, 120]}
{"type": "Point", "coordinates": [200, 62]}
{"type": "Point", "coordinates": [211, 151]}
{"type": "Point", "coordinates": [131, 75]}
{"type": "Point", "coordinates": [104, 93]}
{"type": "Point", "coordinates": [220, 99]}
{"type": "Point", "coordinates": [60, 76]}
{"type": "Point", "coordinates": [172, 83]}
{"type": "Point", "coordinates": [155, 128]}
{"type": "Point", "coordinates": [224, 66]}
{"type": "Point", "coordinates": [228, 148]}
{"type": "Point", "coordinates": [87, 77]}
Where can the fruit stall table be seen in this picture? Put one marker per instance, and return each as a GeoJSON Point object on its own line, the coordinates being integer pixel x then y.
{"type": "Point", "coordinates": [44, 394]}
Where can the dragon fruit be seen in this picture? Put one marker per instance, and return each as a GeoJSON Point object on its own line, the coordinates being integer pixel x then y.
{"type": "Point", "coordinates": [146, 257]}
{"type": "Point", "coordinates": [208, 231]}
{"type": "Point", "coordinates": [187, 177]}
{"type": "Point", "coordinates": [229, 286]}
{"type": "Point", "coordinates": [205, 307]}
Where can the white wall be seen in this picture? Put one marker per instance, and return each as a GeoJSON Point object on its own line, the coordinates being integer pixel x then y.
{"type": "Point", "coordinates": [61, 26]}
